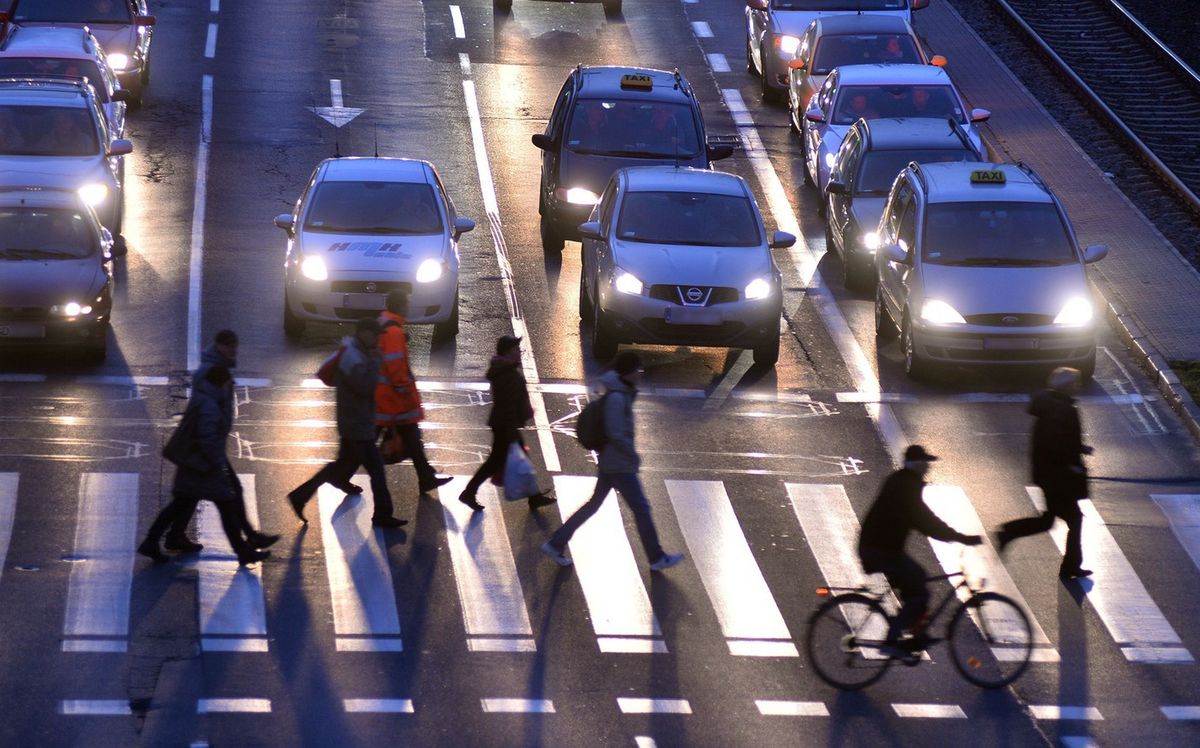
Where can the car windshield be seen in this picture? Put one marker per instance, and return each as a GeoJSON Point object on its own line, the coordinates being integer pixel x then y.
{"type": "Point", "coordinates": [47, 131]}
{"type": "Point", "coordinates": [694, 218]}
{"type": "Point", "coordinates": [34, 66]}
{"type": "Point", "coordinates": [45, 234]}
{"type": "Point", "coordinates": [864, 49]}
{"type": "Point", "coordinates": [633, 128]}
{"type": "Point", "coordinates": [73, 11]}
{"type": "Point", "coordinates": [996, 235]}
{"type": "Point", "coordinates": [373, 208]}
{"type": "Point", "coordinates": [879, 168]}
{"type": "Point", "coordinates": [875, 102]}
{"type": "Point", "coordinates": [846, 5]}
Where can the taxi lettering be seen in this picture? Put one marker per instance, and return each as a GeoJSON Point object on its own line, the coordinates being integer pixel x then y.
{"type": "Point", "coordinates": [987, 176]}
{"type": "Point", "coordinates": [371, 249]}
{"type": "Point", "coordinates": [637, 81]}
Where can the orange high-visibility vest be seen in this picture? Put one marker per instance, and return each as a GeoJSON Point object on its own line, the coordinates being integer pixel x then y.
{"type": "Point", "coordinates": [396, 398]}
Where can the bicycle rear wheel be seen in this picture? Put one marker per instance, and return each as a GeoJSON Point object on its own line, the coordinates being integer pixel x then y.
{"type": "Point", "coordinates": [997, 649]}
{"type": "Point", "coordinates": [845, 641]}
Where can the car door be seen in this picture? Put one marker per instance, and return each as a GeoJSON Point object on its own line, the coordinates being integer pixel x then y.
{"type": "Point", "coordinates": [554, 131]}
{"type": "Point", "coordinates": [756, 24]}
{"type": "Point", "coordinates": [594, 249]}
{"type": "Point", "coordinates": [800, 81]}
{"type": "Point", "coordinates": [813, 131]}
{"type": "Point", "coordinates": [845, 171]}
{"type": "Point", "coordinates": [893, 276]}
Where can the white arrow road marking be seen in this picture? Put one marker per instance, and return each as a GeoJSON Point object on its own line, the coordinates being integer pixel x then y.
{"type": "Point", "coordinates": [336, 115]}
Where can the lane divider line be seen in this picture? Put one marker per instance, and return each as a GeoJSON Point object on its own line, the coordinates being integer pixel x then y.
{"type": "Point", "coordinates": [196, 262]}
{"type": "Point", "coordinates": [456, 18]}
{"type": "Point", "coordinates": [210, 44]}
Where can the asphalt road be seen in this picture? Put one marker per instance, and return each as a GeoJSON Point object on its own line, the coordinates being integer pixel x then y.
{"type": "Point", "coordinates": [733, 453]}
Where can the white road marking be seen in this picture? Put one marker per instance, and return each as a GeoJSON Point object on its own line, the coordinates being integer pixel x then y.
{"type": "Point", "coordinates": [464, 62]}
{"type": "Point", "coordinates": [135, 381]}
{"type": "Point", "coordinates": [456, 18]}
{"type": "Point", "coordinates": [233, 615]}
{"type": "Point", "coordinates": [702, 30]}
{"type": "Point", "coordinates": [1183, 512]}
{"type": "Point", "coordinates": [338, 114]}
{"type": "Point", "coordinates": [729, 380]}
{"type": "Point", "coordinates": [215, 6]}
{"type": "Point", "coordinates": [8, 513]}
{"type": "Point", "coordinates": [210, 44]}
{"type": "Point", "coordinates": [630, 705]}
{"type": "Point", "coordinates": [745, 608]}
{"type": "Point", "coordinates": [612, 584]}
{"type": "Point", "coordinates": [1118, 595]}
{"type": "Point", "coordinates": [199, 201]}
{"type": "Point", "coordinates": [95, 707]}
{"type": "Point", "coordinates": [1078, 741]}
{"type": "Point", "coordinates": [952, 505]}
{"type": "Point", "coordinates": [771, 708]}
{"type": "Point", "coordinates": [102, 565]}
{"type": "Point", "coordinates": [94, 645]}
{"type": "Point", "coordinates": [718, 63]}
{"type": "Point", "coordinates": [379, 706]}
{"type": "Point", "coordinates": [489, 588]}
{"type": "Point", "coordinates": [231, 706]}
{"type": "Point", "coordinates": [1181, 712]}
{"type": "Point", "coordinates": [1056, 712]}
{"type": "Point", "coordinates": [536, 706]}
{"type": "Point", "coordinates": [492, 207]}
{"type": "Point", "coordinates": [929, 711]}
{"type": "Point", "coordinates": [644, 741]}
{"type": "Point", "coordinates": [22, 378]}
{"type": "Point", "coordinates": [360, 579]}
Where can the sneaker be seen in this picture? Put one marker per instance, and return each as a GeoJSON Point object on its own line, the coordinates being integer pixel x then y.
{"type": "Point", "coordinates": [388, 522]}
{"type": "Point", "coordinates": [666, 561]}
{"type": "Point", "coordinates": [539, 500]}
{"type": "Point", "coordinates": [1068, 574]}
{"type": "Point", "coordinates": [298, 505]}
{"type": "Point", "coordinates": [252, 556]}
{"type": "Point", "coordinates": [437, 482]}
{"type": "Point", "coordinates": [469, 500]}
{"type": "Point", "coordinates": [559, 557]}
{"type": "Point", "coordinates": [149, 549]}
{"type": "Point", "coordinates": [182, 543]}
{"type": "Point", "coordinates": [351, 489]}
{"type": "Point", "coordinates": [262, 540]}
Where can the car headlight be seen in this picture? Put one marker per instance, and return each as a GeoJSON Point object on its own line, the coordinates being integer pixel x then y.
{"type": "Point", "coordinates": [118, 61]}
{"type": "Point", "coordinates": [577, 196]}
{"type": "Point", "coordinates": [93, 194]}
{"type": "Point", "coordinates": [71, 309]}
{"type": "Point", "coordinates": [1077, 311]}
{"type": "Point", "coordinates": [830, 160]}
{"type": "Point", "coordinates": [787, 44]}
{"type": "Point", "coordinates": [941, 313]}
{"type": "Point", "coordinates": [870, 241]}
{"type": "Point", "coordinates": [429, 271]}
{"type": "Point", "coordinates": [313, 268]}
{"type": "Point", "coordinates": [759, 288]}
{"type": "Point", "coordinates": [627, 283]}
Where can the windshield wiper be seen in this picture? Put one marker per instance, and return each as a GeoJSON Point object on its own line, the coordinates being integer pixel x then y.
{"type": "Point", "coordinates": [1000, 262]}
{"type": "Point", "coordinates": [30, 253]}
{"type": "Point", "coordinates": [634, 154]}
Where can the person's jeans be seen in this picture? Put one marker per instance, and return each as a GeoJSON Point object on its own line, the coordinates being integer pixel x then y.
{"type": "Point", "coordinates": [629, 487]}
{"type": "Point", "coordinates": [353, 453]}
{"type": "Point", "coordinates": [907, 578]}
{"type": "Point", "coordinates": [1066, 509]}
{"type": "Point", "coordinates": [495, 459]}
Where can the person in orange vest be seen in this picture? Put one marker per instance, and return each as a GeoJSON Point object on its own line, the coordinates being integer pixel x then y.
{"type": "Point", "coordinates": [397, 402]}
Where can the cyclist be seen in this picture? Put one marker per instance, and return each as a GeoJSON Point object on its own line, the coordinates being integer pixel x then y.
{"type": "Point", "coordinates": [898, 510]}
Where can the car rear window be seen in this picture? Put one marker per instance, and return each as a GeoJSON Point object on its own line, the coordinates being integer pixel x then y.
{"type": "Point", "coordinates": [72, 11]}
{"type": "Point", "coordinates": [633, 129]}
{"type": "Point", "coordinates": [876, 102]}
{"type": "Point", "coordinates": [864, 49]}
{"type": "Point", "coordinates": [369, 207]}
{"type": "Point", "coordinates": [45, 234]}
{"type": "Point", "coordinates": [33, 66]}
{"type": "Point", "coordinates": [996, 234]}
{"type": "Point", "coordinates": [688, 218]}
{"type": "Point", "coordinates": [850, 6]}
{"type": "Point", "coordinates": [879, 168]}
{"type": "Point", "coordinates": [47, 131]}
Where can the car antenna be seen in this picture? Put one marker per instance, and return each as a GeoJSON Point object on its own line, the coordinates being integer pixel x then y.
{"type": "Point", "coordinates": [376, 140]}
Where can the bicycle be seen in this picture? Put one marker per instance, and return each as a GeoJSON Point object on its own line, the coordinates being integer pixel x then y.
{"type": "Point", "coordinates": [847, 636]}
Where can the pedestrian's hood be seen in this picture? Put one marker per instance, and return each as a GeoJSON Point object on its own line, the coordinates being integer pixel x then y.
{"type": "Point", "coordinates": [991, 290]}
{"type": "Point", "coordinates": [682, 265]}
{"type": "Point", "coordinates": [67, 172]}
{"type": "Point", "coordinates": [43, 283]}
{"type": "Point", "coordinates": [351, 253]}
{"type": "Point", "coordinates": [866, 210]}
{"type": "Point", "coordinates": [592, 171]}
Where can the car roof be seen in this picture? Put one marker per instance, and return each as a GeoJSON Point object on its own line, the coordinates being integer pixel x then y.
{"type": "Point", "coordinates": [891, 74]}
{"type": "Point", "coordinates": [49, 41]}
{"type": "Point", "coordinates": [31, 91]}
{"type": "Point", "coordinates": [682, 179]}
{"type": "Point", "coordinates": [378, 169]}
{"type": "Point", "coordinates": [911, 132]}
{"type": "Point", "coordinates": [861, 24]}
{"type": "Point", "coordinates": [951, 183]}
{"type": "Point", "coordinates": [604, 81]}
{"type": "Point", "coordinates": [40, 197]}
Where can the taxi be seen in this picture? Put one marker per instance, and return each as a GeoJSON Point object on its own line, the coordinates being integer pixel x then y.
{"type": "Point", "coordinates": [609, 118]}
{"type": "Point", "coordinates": [978, 264]}
{"type": "Point", "coordinates": [679, 256]}
{"type": "Point", "coordinates": [363, 227]}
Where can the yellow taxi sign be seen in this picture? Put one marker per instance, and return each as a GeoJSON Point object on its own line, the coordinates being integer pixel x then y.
{"type": "Point", "coordinates": [987, 176]}
{"type": "Point", "coordinates": [637, 81]}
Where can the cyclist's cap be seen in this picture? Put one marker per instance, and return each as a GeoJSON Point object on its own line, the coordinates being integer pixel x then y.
{"type": "Point", "coordinates": [917, 453]}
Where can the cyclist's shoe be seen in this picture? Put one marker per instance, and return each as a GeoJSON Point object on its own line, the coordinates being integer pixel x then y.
{"type": "Point", "coordinates": [917, 642]}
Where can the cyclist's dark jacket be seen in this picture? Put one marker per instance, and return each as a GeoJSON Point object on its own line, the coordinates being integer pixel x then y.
{"type": "Point", "coordinates": [898, 510]}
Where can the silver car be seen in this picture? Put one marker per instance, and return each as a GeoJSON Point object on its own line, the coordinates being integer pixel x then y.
{"type": "Point", "coordinates": [978, 264]}
{"type": "Point", "coordinates": [679, 256]}
{"type": "Point", "coordinates": [366, 226]}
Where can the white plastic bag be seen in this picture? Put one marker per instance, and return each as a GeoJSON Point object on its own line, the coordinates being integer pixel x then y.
{"type": "Point", "coordinates": [520, 481]}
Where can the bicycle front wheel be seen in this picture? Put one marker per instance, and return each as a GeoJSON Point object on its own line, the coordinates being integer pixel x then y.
{"type": "Point", "coordinates": [997, 649]}
{"type": "Point", "coordinates": [845, 642]}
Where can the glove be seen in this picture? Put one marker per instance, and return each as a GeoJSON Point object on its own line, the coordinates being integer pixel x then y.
{"type": "Point", "coordinates": [972, 540]}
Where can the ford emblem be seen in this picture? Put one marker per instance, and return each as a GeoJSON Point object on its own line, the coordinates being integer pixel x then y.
{"type": "Point", "coordinates": [371, 286]}
{"type": "Point", "coordinates": [694, 294]}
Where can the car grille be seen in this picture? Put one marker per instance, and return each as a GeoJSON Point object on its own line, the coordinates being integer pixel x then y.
{"type": "Point", "coordinates": [357, 286]}
{"type": "Point", "coordinates": [680, 334]}
{"type": "Point", "coordinates": [1028, 356]}
{"type": "Point", "coordinates": [1010, 320]}
{"type": "Point", "coordinates": [23, 313]}
{"type": "Point", "coordinates": [677, 294]}
{"type": "Point", "coordinates": [355, 313]}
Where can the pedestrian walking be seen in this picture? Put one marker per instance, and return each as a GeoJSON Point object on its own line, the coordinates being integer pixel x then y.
{"type": "Point", "coordinates": [618, 465]}
{"type": "Point", "coordinates": [898, 510]}
{"type": "Point", "coordinates": [511, 410]}
{"type": "Point", "coordinates": [355, 379]}
{"type": "Point", "coordinates": [210, 476]}
{"type": "Point", "coordinates": [397, 401]}
{"type": "Point", "coordinates": [1056, 454]}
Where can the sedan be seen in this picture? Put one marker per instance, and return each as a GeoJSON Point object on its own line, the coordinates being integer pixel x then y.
{"type": "Point", "coordinates": [679, 256]}
{"type": "Point", "coordinates": [366, 226]}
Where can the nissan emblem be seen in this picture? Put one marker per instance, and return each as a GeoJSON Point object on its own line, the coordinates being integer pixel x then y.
{"type": "Point", "coordinates": [694, 295]}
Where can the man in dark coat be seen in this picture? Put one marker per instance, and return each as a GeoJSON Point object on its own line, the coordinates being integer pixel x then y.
{"type": "Point", "coordinates": [511, 410]}
{"type": "Point", "coordinates": [1057, 454]}
{"type": "Point", "coordinates": [897, 511]}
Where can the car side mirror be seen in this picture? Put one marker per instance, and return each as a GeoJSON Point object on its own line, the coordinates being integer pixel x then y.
{"type": "Point", "coordinates": [543, 141]}
{"type": "Point", "coordinates": [895, 253]}
{"type": "Point", "coordinates": [920, 4]}
{"type": "Point", "coordinates": [120, 147]}
{"type": "Point", "coordinates": [461, 226]}
{"type": "Point", "coordinates": [1095, 253]}
{"type": "Point", "coordinates": [719, 151]}
{"type": "Point", "coordinates": [781, 240]}
{"type": "Point", "coordinates": [835, 187]}
{"type": "Point", "coordinates": [797, 64]}
{"type": "Point", "coordinates": [815, 115]}
{"type": "Point", "coordinates": [758, 4]}
{"type": "Point", "coordinates": [938, 61]}
{"type": "Point", "coordinates": [144, 20]}
{"type": "Point", "coordinates": [285, 222]}
{"type": "Point", "coordinates": [121, 95]}
{"type": "Point", "coordinates": [590, 230]}
{"type": "Point", "coordinates": [980, 115]}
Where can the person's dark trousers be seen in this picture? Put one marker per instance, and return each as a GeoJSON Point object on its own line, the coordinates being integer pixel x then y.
{"type": "Point", "coordinates": [175, 516]}
{"type": "Point", "coordinates": [414, 448]}
{"type": "Point", "coordinates": [907, 578]}
{"type": "Point", "coordinates": [178, 528]}
{"type": "Point", "coordinates": [495, 460]}
{"type": "Point", "coordinates": [351, 454]}
{"type": "Point", "coordinates": [1066, 509]}
{"type": "Point", "coordinates": [180, 511]}
{"type": "Point", "coordinates": [630, 490]}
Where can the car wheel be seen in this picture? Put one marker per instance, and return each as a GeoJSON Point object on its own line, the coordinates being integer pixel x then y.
{"type": "Point", "coordinates": [885, 327]}
{"type": "Point", "coordinates": [750, 56]}
{"type": "Point", "coordinates": [293, 326]}
{"type": "Point", "coordinates": [829, 246]}
{"type": "Point", "coordinates": [552, 241]}
{"type": "Point", "coordinates": [808, 180]}
{"type": "Point", "coordinates": [768, 94]}
{"type": "Point", "coordinates": [766, 353]}
{"type": "Point", "coordinates": [612, 6]}
{"type": "Point", "coordinates": [604, 345]}
{"type": "Point", "coordinates": [502, 4]}
{"type": "Point", "coordinates": [1087, 369]}
{"type": "Point", "coordinates": [856, 272]}
{"type": "Point", "coordinates": [585, 304]}
{"type": "Point", "coordinates": [916, 367]}
{"type": "Point", "coordinates": [448, 330]}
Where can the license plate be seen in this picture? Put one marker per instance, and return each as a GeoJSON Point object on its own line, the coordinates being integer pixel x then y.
{"type": "Point", "coordinates": [682, 315]}
{"type": "Point", "coordinates": [363, 301]}
{"type": "Point", "coordinates": [22, 330]}
{"type": "Point", "coordinates": [1010, 344]}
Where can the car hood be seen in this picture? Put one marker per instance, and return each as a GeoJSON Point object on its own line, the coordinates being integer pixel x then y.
{"type": "Point", "coordinates": [866, 211]}
{"type": "Point", "coordinates": [115, 37]}
{"type": "Point", "coordinates": [592, 171]}
{"type": "Point", "coordinates": [349, 253]}
{"type": "Point", "coordinates": [674, 264]}
{"type": "Point", "coordinates": [44, 283]}
{"type": "Point", "coordinates": [1005, 290]}
{"type": "Point", "coordinates": [68, 172]}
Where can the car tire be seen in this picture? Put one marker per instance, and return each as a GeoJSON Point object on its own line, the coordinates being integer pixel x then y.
{"type": "Point", "coordinates": [604, 344]}
{"type": "Point", "coordinates": [885, 327]}
{"type": "Point", "coordinates": [808, 180]}
{"type": "Point", "coordinates": [612, 7]}
{"type": "Point", "coordinates": [448, 330]}
{"type": "Point", "coordinates": [1087, 369]}
{"type": "Point", "coordinates": [505, 5]}
{"type": "Point", "coordinates": [769, 95]}
{"type": "Point", "coordinates": [293, 326]}
{"type": "Point", "coordinates": [585, 304]}
{"type": "Point", "coordinates": [856, 272]}
{"type": "Point", "coordinates": [766, 353]}
{"type": "Point", "coordinates": [750, 56]}
{"type": "Point", "coordinates": [552, 241]}
{"type": "Point", "coordinates": [916, 367]}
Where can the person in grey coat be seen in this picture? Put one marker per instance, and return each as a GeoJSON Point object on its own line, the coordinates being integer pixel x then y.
{"type": "Point", "coordinates": [210, 409]}
{"type": "Point", "coordinates": [618, 466]}
{"type": "Point", "coordinates": [355, 381]}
